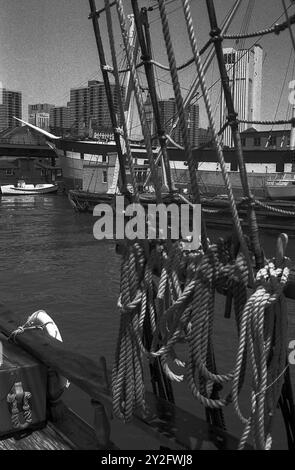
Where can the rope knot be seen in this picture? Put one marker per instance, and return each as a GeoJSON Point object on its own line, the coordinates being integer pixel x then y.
{"type": "Point", "coordinates": [277, 29]}
{"type": "Point", "coordinates": [216, 34]}
{"type": "Point", "coordinates": [272, 280]}
{"type": "Point", "coordinates": [145, 58]}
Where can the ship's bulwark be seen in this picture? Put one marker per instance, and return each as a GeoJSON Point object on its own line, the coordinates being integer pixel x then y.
{"type": "Point", "coordinates": [73, 153]}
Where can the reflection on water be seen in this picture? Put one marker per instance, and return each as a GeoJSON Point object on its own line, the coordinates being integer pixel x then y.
{"type": "Point", "coordinates": [50, 260]}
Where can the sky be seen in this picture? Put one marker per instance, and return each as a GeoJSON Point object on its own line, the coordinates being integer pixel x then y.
{"type": "Point", "coordinates": [48, 47]}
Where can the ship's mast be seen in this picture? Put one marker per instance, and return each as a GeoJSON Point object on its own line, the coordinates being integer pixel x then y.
{"type": "Point", "coordinates": [94, 15]}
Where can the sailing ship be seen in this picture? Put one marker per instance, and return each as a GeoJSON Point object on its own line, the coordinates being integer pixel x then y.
{"type": "Point", "coordinates": [166, 297]}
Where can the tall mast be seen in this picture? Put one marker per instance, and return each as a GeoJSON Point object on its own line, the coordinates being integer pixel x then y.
{"type": "Point", "coordinates": [133, 41]}
{"type": "Point", "coordinates": [143, 33]}
{"type": "Point", "coordinates": [94, 15]}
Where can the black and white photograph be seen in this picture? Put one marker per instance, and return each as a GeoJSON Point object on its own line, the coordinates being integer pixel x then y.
{"type": "Point", "coordinates": [147, 229]}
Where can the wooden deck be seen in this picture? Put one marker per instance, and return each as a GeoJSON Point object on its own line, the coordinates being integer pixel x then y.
{"type": "Point", "coordinates": [45, 439]}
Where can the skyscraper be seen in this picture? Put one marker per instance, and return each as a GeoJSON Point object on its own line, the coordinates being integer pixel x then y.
{"type": "Point", "coordinates": [244, 68]}
{"type": "Point", "coordinates": [10, 106]}
{"type": "Point", "coordinates": [89, 107]}
{"type": "Point", "coordinates": [39, 114]}
{"type": "Point", "coordinates": [60, 119]}
{"type": "Point", "coordinates": [168, 114]}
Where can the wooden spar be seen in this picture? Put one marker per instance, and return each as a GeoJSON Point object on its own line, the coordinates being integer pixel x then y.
{"type": "Point", "coordinates": [143, 34]}
{"type": "Point", "coordinates": [98, 12]}
{"type": "Point", "coordinates": [193, 89]}
{"type": "Point", "coordinates": [104, 69]}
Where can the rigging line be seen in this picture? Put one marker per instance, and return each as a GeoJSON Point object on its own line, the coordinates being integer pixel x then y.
{"type": "Point", "coordinates": [165, 67]}
{"type": "Point", "coordinates": [289, 24]}
{"type": "Point", "coordinates": [156, 6]}
{"type": "Point", "coordinates": [277, 29]}
{"type": "Point", "coordinates": [120, 101]}
{"type": "Point", "coordinates": [283, 87]}
{"type": "Point", "coordinates": [225, 25]}
{"type": "Point", "coordinates": [246, 51]}
{"type": "Point", "coordinates": [289, 105]}
{"type": "Point", "coordinates": [139, 100]}
{"type": "Point", "coordinates": [165, 81]}
{"type": "Point", "coordinates": [238, 60]}
{"type": "Point", "coordinates": [168, 14]}
{"type": "Point", "coordinates": [246, 22]}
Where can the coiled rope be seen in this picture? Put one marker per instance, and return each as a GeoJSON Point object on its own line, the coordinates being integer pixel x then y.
{"type": "Point", "coordinates": [180, 307]}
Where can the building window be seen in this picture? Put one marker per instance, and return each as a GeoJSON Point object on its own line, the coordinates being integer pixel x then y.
{"type": "Point", "coordinates": [43, 172]}
{"type": "Point", "coordinates": [104, 176]}
{"type": "Point", "coordinates": [273, 141]}
{"type": "Point", "coordinates": [257, 141]}
{"type": "Point", "coordinates": [9, 172]}
{"type": "Point", "coordinates": [234, 166]}
{"type": "Point", "coordinates": [243, 141]}
{"type": "Point", "coordinates": [279, 167]}
{"type": "Point", "coordinates": [104, 159]}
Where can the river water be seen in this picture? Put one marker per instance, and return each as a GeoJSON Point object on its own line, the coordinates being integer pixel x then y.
{"type": "Point", "coordinates": [50, 260]}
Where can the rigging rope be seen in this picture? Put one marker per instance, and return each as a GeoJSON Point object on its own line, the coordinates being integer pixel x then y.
{"type": "Point", "coordinates": [189, 24]}
{"type": "Point", "coordinates": [181, 113]}
{"type": "Point", "coordinates": [139, 99]}
{"type": "Point", "coordinates": [172, 291]}
{"type": "Point", "coordinates": [288, 20]}
{"type": "Point", "coordinates": [179, 306]}
{"type": "Point", "coordinates": [120, 101]}
{"type": "Point", "coordinates": [277, 29]}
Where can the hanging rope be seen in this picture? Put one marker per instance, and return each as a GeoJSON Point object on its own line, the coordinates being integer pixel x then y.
{"type": "Point", "coordinates": [181, 113]}
{"type": "Point", "coordinates": [180, 307]}
{"type": "Point", "coordinates": [189, 24]}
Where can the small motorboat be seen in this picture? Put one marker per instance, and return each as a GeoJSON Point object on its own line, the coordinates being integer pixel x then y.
{"type": "Point", "coordinates": [21, 188]}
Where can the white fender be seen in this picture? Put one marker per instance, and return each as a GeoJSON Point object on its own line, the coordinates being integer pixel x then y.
{"type": "Point", "coordinates": [41, 318]}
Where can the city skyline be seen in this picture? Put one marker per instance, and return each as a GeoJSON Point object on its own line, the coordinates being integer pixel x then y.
{"type": "Point", "coordinates": [59, 53]}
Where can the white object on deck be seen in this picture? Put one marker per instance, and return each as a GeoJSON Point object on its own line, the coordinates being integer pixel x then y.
{"type": "Point", "coordinates": [41, 318]}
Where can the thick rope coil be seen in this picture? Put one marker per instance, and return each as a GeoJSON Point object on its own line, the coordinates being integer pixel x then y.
{"type": "Point", "coordinates": [263, 328]}
{"type": "Point", "coordinates": [179, 306]}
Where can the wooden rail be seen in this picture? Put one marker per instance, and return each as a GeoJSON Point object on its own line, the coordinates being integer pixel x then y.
{"type": "Point", "coordinates": [171, 426]}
